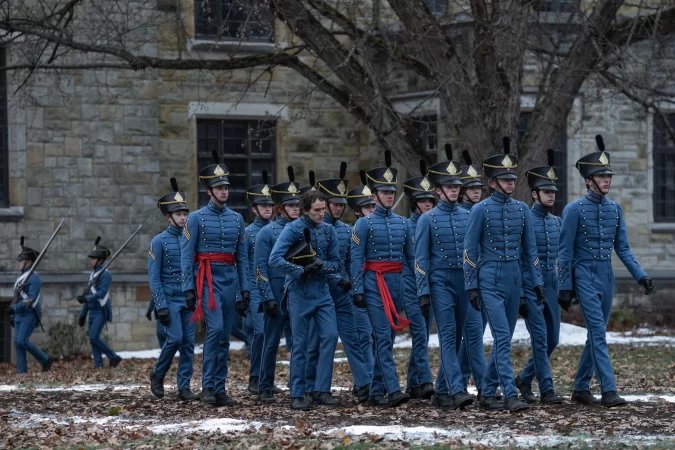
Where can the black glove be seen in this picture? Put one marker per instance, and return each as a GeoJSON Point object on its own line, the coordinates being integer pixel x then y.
{"type": "Point", "coordinates": [474, 298]}
{"type": "Point", "coordinates": [648, 284]}
{"type": "Point", "coordinates": [271, 308]}
{"type": "Point", "coordinates": [82, 299]}
{"type": "Point", "coordinates": [164, 317]}
{"type": "Point", "coordinates": [190, 299]}
{"type": "Point", "coordinates": [541, 295]}
{"type": "Point", "coordinates": [565, 299]}
{"type": "Point", "coordinates": [359, 301]}
{"type": "Point", "coordinates": [242, 306]}
{"type": "Point", "coordinates": [522, 309]}
{"type": "Point", "coordinates": [80, 321]}
{"type": "Point", "coordinates": [345, 284]}
{"type": "Point", "coordinates": [148, 315]}
{"type": "Point", "coordinates": [425, 304]}
{"type": "Point", "coordinates": [312, 267]}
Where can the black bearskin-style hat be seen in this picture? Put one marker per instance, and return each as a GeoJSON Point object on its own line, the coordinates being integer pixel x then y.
{"type": "Point", "coordinates": [447, 172]}
{"type": "Point", "coordinates": [543, 177]}
{"type": "Point", "coordinates": [312, 183]}
{"type": "Point", "coordinates": [503, 165]}
{"type": "Point", "coordinates": [215, 174]}
{"type": "Point", "coordinates": [335, 189]}
{"type": "Point", "coordinates": [471, 175]}
{"type": "Point", "coordinates": [260, 194]}
{"type": "Point", "coordinates": [596, 163]}
{"type": "Point", "coordinates": [287, 192]}
{"type": "Point", "coordinates": [419, 187]}
{"type": "Point", "coordinates": [99, 252]}
{"type": "Point", "coordinates": [173, 201]}
{"type": "Point", "coordinates": [382, 178]}
{"type": "Point", "coordinates": [301, 252]}
{"type": "Point", "coordinates": [361, 195]}
{"type": "Point", "coordinates": [27, 253]}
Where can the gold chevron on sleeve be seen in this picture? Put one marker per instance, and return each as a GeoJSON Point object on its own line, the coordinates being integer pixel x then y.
{"type": "Point", "coordinates": [536, 262]}
{"type": "Point", "coordinates": [468, 261]}
{"type": "Point", "coordinates": [419, 269]}
{"type": "Point", "coordinates": [355, 238]}
{"type": "Point", "coordinates": [260, 275]}
{"type": "Point", "coordinates": [151, 253]}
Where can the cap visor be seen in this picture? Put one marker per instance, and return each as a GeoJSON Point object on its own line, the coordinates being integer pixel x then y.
{"type": "Point", "coordinates": [384, 187]}
{"type": "Point", "coordinates": [338, 200]}
{"type": "Point", "coordinates": [507, 176]}
{"type": "Point", "coordinates": [219, 183]}
{"type": "Point", "coordinates": [547, 187]}
{"type": "Point", "coordinates": [418, 196]}
{"type": "Point", "coordinates": [291, 201]}
{"type": "Point", "coordinates": [263, 201]}
{"type": "Point", "coordinates": [473, 183]}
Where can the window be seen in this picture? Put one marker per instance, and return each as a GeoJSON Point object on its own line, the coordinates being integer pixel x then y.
{"type": "Point", "coordinates": [425, 129]}
{"type": "Point", "coordinates": [4, 142]}
{"type": "Point", "coordinates": [437, 7]}
{"type": "Point", "coordinates": [555, 5]}
{"type": "Point", "coordinates": [664, 168]}
{"type": "Point", "coordinates": [5, 333]}
{"type": "Point", "coordinates": [247, 20]}
{"type": "Point", "coordinates": [246, 147]}
{"type": "Point", "coordinates": [560, 162]}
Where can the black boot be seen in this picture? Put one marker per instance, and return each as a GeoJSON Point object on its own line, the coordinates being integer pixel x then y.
{"type": "Point", "coordinates": [222, 399]}
{"type": "Point", "coordinates": [427, 390]}
{"type": "Point", "coordinates": [209, 396]}
{"type": "Point", "coordinates": [443, 401]}
{"type": "Point", "coordinates": [253, 385]}
{"type": "Point", "coordinates": [378, 400]}
{"type": "Point", "coordinates": [491, 404]}
{"type": "Point", "coordinates": [525, 391]}
{"type": "Point", "coordinates": [611, 399]}
{"type": "Point", "coordinates": [462, 400]}
{"type": "Point", "coordinates": [324, 398]}
{"type": "Point", "coordinates": [115, 362]}
{"type": "Point", "coordinates": [267, 397]}
{"type": "Point", "coordinates": [398, 398]}
{"type": "Point", "coordinates": [299, 403]}
{"type": "Point", "coordinates": [514, 404]}
{"type": "Point", "coordinates": [478, 395]}
{"type": "Point", "coordinates": [47, 364]}
{"type": "Point", "coordinates": [362, 393]}
{"type": "Point", "coordinates": [414, 392]}
{"type": "Point", "coordinates": [549, 398]}
{"type": "Point", "coordinates": [585, 398]}
{"type": "Point", "coordinates": [156, 385]}
{"type": "Point", "coordinates": [276, 390]}
{"type": "Point", "coordinates": [187, 395]}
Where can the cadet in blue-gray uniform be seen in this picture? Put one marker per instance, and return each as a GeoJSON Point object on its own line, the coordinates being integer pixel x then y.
{"type": "Point", "coordinates": [591, 227]}
{"type": "Point", "coordinates": [307, 250]}
{"type": "Point", "coordinates": [161, 329]}
{"type": "Point", "coordinates": [262, 205]}
{"type": "Point", "coordinates": [542, 320]}
{"type": "Point", "coordinates": [381, 244]}
{"type": "Point", "coordinates": [498, 242]}
{"type": "Point", "coordinates": [270, 281]}
{"type": "Point", "coordinates": [472, 351]}
{"type": "Point", "coordinates": [26, 313]}
{"type": "Point", "coordinates": [172, 310]}
{"type": "Point", "coordinates": [335, 191]}
{"type": "Point", "coordinates": [98, 305]}
{"type": "Point", "coordinates": [419, 379]}
{"type": "Point", "coordinates": [439, 254]}
{"type": "Point", "coordinates": [214, 262]}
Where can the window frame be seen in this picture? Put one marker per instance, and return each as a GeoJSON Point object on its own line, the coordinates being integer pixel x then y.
{"type": "Point", "coordinates": [4, 135]}
{"type": "Point", "coordinates": [201, 31]}
{"type": "Point", "coordinates": [422, 118]}
{"type": "Point", "coordinates": [661, 150]}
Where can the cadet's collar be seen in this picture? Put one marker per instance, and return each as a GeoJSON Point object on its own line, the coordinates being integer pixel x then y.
{"type": "Point", "coordinates": [447, 206]}
{"type": "Point", "coordinates": [260, 222]}
{"type": "Point", "coordinates": [595, 198]}
{"type": "Point", "coordinates": [173, 229]}
{"type": "Point", "coordinates": [216, 209]}
{"type": "Point", "coordinates": [25, 270]}
{"type": "Point", "coordinates": [98, 267]}
{"type": "Point", "coordinates": [539, 210]}
{"type": "Point", "coordinates": [330, 220]}
{"type": "Point", "coordinates": [380, 211]}
{"type": "Point", "coordinates": [414, 216]}
{"type": "Point", "coordinates": [501, 198]}
{"type": "Point", "coordinates": [281, 220]}
{"type": "Point", "coordinates": [310, 223]}
{"type": "Point", "coordinates": [467, 205]}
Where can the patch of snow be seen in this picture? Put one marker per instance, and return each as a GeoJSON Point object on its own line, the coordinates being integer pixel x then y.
{"type": "Point", "coordinates": [222, 424]}
{"type": "Point", "coordinates": [649, 398]}
{"type": "Point", "coordinates": [154, 353]}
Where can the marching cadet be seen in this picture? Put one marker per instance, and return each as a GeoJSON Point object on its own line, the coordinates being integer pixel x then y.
{"type": "Point", "coordinates": [26, 313]}
{"type": "Point", "coordinates": [97, 304]}
{"type": "Point", "coordinates": [472, 351]}
{"type": "Point", "coordinates": [161, 329]}
{"type": "Point", "coordinates": [381, 243]}
{"type": "Point", "coordinates": [340, 285]}
{"type": "Point", "coordinates": [439, 252]}
{"type": "Point", "coordinates": [172, 309]}
{"type": "Point", "coordinates": [270, 281]}
{"type": "Point", "coordinates": [542, 319]}
{"type": "Point", "coordinates": [591, 227]}
{"type": "Point", "coordinates": [214, 262]}
{"type": "Point", "coordinates": [262, 206]}
{"type": "Point", "coordinates": [499, 235]}
{"type": "Point", "coordinates": [307, 250]}
{"type": "Point", "coordinates": [419, 379]}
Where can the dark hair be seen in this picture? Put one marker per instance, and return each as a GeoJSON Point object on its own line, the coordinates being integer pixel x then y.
{"type": "Point", "coordinates": [308, 198]}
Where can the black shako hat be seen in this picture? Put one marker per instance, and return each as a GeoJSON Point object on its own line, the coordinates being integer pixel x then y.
{"type": "Point", "coordinates": [27, 253]}
{"type": "Point", "coordinates": [301, 252]}
{"type": "Point", "coordinates": [382, 178]}
{"type": "Point", "coordinates": [471, 175]}
{"type": "Point", "coordinates": [596, 163]}
{"type": "Point", "coordinates": [260, 194]}
{"type": "Point", "coordinates": [419, 187]}
{"type": "Point", "coordinates": [99, 252]}
{"type": "Point", "coordinates": [335, 189]}
{"type": "Point", "coordinates": [446, 172]}
{"type": "Point", "coordinates": [503, 165]}
{"type": "Point", "coordinates": [215, 174]}
{"type": "Point", "coordinates": [543, 177]}
{"type": "Point", "coordinates": [361, 195]}
{"type": "Point", "coordinates": [312, 183]}
{"type": "Point", "coordinates": [173, 201]}
{"type": "Point", "coordinates": [287, 192]}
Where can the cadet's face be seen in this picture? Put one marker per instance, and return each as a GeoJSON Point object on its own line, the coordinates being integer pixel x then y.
{"type": "Point", "coordinates": [546, 198]}
{"type": "Point", "coordinates": [220, 194]}
{"type": "Point", "coordinates": [424, 205]}
{"type": "Point", "coordinates": [366, 210]}
{"type": "Point", "coordinates": [292, 211]}
{"type": "Point", "coordinates": [336, 210]}
{"type": "Point", "coordinates": [93, 262]}
{"type": "Point", "coordinates": [448, 193]}
{"type": "Point", "coordinates": [263, 211]}
{"type": "Point", "coordinates": [473, 193]}
{"type": "Point", "coordinates": [179, 218]}
{"type": "Point", "coordinates": [25, 264]}
{"type": "Point", "coordinates": [506, 185]}
{"type": "Point", "coordinates": [384, 198]}
{"type": "Point", "coordinates": [604, 182]}
{"type": "Point", "coordinates": [317, 211]}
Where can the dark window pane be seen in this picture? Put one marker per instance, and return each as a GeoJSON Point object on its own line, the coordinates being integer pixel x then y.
{"type": "Point", "coordinates": [4, 141]}
{"type": "Point", "coordinates": [425, 129]}
{"type": "Point", "coordinates": [248, 20]}
{"type": "Point", "coordinates": [664, 167]}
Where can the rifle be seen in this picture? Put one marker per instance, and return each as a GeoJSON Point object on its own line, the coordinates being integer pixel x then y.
{"type": "Point", "coordinates": [98, 274]}
{"type": "Point", "coordinates": [21, 285]}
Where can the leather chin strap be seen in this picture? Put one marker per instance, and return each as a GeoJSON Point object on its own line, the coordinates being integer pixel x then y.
{"type": "Point", "coordinates": [501, 188]}
{"type": "Point", "coordinates": [596, 185]}
{"type": "Point", "coordinates": [214, 199]}
{"type": "Point", "coordinates": [331, 214]}
{"type": "Point", "coordinates": [377, 194]}
{"type": "Point", "coordinates": [446, 195]}
{"type": "Point", "coordinates": [285, 214]}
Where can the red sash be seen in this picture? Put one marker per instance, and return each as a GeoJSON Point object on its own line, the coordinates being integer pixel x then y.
{"type": "Point", "coordinates": [380, 268]}
{"type": "Point", "coordinates": [205, 261]}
